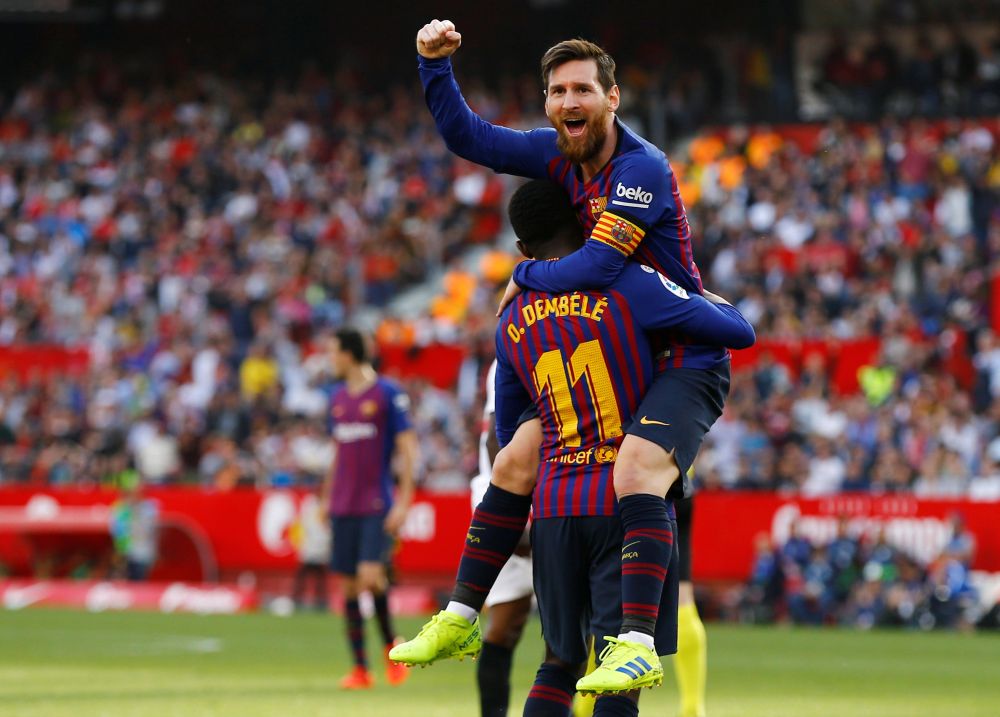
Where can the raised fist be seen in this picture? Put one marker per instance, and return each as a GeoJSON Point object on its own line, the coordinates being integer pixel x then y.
{"type": "Point", "coordinates": [438, 38]}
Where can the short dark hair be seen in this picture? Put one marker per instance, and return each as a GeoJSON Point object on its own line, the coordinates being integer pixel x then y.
{"type": "Point", "coordinates": [540, 212]}
{"type": "Point", "coordinates": [569, 50]}
{"type": "Point", "coordinates": [353, 342]}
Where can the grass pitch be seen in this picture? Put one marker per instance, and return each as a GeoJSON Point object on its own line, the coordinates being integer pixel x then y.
{"type": "Point", "coordinates": [74, 664]}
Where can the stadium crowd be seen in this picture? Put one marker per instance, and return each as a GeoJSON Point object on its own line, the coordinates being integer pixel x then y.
{"type": "Point", "coordinates": [202, 238]}
{"type": "Point", "coordinates": [862, 581]}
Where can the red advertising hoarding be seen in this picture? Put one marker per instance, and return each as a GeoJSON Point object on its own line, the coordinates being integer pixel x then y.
{"type": "Point", "coordinates": [207, 533]}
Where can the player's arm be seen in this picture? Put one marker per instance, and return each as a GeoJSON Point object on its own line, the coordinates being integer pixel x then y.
{"type": "Point", "coordinates": [640, 195]}
{"type": "Point", "coordinates": [407, 456]}
{"type": "Point", "coordinates": [658, 303]}
{"type": "Point", "coordinates": [464, 132]}
{"type": "Point", "coordinates": [326, 489]}
{"type": "Point", "coordinates": [512, 399]}
{"type": "Point", "coordinates": [404, 441]}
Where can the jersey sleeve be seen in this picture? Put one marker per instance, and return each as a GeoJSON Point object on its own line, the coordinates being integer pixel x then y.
{"type": "Point", "coordinates": [640, 194]}
{"type": "Point", "coordinates": [512, 399]}
{"type": "Point", "coordinates": [399, 410]}
{"type": "Point", "coordinates": [659, 303]}
{"type": "Point", "coordinates": [468, 135]}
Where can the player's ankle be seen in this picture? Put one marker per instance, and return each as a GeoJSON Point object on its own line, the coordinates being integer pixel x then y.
{"type": "Point", "coordinates": [641, 637]}
{"type": "Point", "coordinates": [462, 610]}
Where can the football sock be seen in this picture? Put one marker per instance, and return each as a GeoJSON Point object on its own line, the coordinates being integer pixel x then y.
{"type": "Point", "coordinates": [496, 528]}
{"type": "Point", "coordinates": [463, 610]}
{"type": "Point", "coordinates": [384, 619]}
{"type": "Point", "coordinates": [493, 676]}
{"type": "Point", "coordinates": [616, 706]}
{"type": "Point", "coordinates": [640, 637]}
{"type": "Point", "coordinates": [690, 662]}
{"type": "Point", "coordinates": [552, 693]}
{"type": "Point", "coordinates": [646, 550]}
{"type": "Point", "coordinates": [356, 631]}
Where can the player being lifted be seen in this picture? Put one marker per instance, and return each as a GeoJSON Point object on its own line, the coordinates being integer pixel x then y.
{"type": "Point", "coordinates": [553, 355]}
{"type": "Point", "coordinates": [626, 197]}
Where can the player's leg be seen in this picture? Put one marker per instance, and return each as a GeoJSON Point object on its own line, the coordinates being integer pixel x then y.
{"type": "Point", "coordinates": [662, 441]}
{"type": "Point", "coordinates": [344, 561]}
{"type": "Point", "coordinates": [509, 604]}
{"type": "Point", "coordinates": [496, 528]}
{"type": "Point", "coordinates": [372, 577]}
{"type": "Point", "coordinates": [623, 665]}
{"type": "Point", "coordinates": [690, 662]}
{"type": "Point", "coordinates": [498, 521]}
{"type": "Point", "coordinates": [561, 567]}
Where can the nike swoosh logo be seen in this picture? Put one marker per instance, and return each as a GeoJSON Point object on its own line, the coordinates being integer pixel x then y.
{"type": "Point", "coordinates": [477, 527]}
{"type": "Point", "coordinates": [650, 422]}
{"type": "Point", "coordinates": [626, 547]}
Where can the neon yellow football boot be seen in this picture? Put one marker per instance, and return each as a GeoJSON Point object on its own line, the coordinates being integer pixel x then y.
{"type": "Point", "coordinates": [447, 635]}
{"type": "Point", "coordinates": [624, 666]}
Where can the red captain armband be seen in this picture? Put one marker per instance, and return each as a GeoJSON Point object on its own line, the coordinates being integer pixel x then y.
{"type": "Point", "coordinates": [618, 233]}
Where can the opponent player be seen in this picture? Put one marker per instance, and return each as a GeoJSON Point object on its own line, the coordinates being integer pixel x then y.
{"type": "Point", "coordinates": [554, 352]}
{"type": "Point", "coordinates": [509, 601]}
{"type": "Point", "coordinates": [626, 197]}
{"type": "Point", "coordinates": [370, 424]}
{"type": "Point", "coordinates": [690, 662]}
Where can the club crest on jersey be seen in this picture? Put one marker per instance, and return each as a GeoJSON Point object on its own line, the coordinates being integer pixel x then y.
{"type": "Point", "coordinates": [597, 206]}
{"type": "Point", "coordinates": [622, 232]}
{"type": "Point", "coordinates": [369, 408]}
{"type": "Point", "coordinates": [606, 454]}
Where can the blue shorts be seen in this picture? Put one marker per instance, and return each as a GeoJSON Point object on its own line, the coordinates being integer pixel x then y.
{"type": "Point", "coordinates": [578, 576]}
{"type": "Point", "coordinates": [358, 539]}
{"type": "Point", "coordinates": [677, 411]}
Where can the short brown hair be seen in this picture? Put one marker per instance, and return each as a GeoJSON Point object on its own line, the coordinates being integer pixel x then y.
{"type": "Point", "coordinates": [569, 50]}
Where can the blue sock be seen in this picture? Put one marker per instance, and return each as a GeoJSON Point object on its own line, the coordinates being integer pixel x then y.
{"type": "Point", "coordinates": [646, 550]}
{"type": "Point", "coordinates": [383, 616]}
{"type": "Point", "coordinates": [493, 535]}
{"type": "Point", "coordinates": [552, 693]}
{"type": "Point", "coordinates": [493, 676]}
{"type": "Point", "coordinates": [356, 632]}
{"type": "Point", "coordinates": [616, 706]}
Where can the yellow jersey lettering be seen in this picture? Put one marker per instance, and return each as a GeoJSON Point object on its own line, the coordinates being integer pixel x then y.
{"type": "Point", "coordinates": [513, 333]}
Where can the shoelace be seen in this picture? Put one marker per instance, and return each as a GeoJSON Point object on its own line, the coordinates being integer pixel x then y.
{"type": "Point", "coordinates": [608, 649]}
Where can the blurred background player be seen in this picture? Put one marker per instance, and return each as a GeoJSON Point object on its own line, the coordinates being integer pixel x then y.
{"type": "Point", "coordinates": [509, 602]}
{"type": "Point", "coordinates": [370, 424]}
{"type": "Point", "coordinates": [311, 538]}
{"type": "Point", "coordinates": [627, 200]}
{"type": "Point", "coordinates": [691, 659]}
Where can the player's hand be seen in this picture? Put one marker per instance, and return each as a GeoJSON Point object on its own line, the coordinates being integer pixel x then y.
{"type": "Point", "coordinates": [714, 298]}
{"type": "Point", "coordinates": [394, 520]}
{"type": "Point", "coordinates": [438, 38]}
{"type": "Point", "coordinates": [509, 295]}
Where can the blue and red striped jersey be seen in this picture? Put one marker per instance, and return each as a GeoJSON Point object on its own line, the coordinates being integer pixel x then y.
{"type": "Point", "coordinates": [632, 208]}
{"type": "Point", "coordinates": [365, 427]}
{"type": "Point", "coordinates": [584, 361]}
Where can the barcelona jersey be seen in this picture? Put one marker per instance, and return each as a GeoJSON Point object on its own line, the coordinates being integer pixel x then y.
{"type": "Point", "coordinates": [583, 360]}
{"type": "Point", "coordinates": [631, 208]}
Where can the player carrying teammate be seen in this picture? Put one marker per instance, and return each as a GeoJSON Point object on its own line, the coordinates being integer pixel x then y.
{"type": "Point", "coordinates": [370, 423]}
{"type": "Point", "coordinates": [554, 352]}
{"type": "Point", "coordinates": [626, 197]}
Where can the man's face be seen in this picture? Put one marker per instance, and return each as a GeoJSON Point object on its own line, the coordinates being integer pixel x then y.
{"type": "Point", "coordinates": [340, 360]}
{"type": "Point", "coordinates": [579, 109]}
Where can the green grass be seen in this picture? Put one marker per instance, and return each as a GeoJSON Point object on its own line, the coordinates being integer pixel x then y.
{"type": "Point", "coordinates": [58, 663]}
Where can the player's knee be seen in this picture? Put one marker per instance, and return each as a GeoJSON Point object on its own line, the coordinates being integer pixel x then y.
{"type": "Point", "coordinates": [515, 469]}
{"type": "Point", "coordinates": [644, 467]}
{"type": "Point", "coordinates": [575, 669]}
{"type": "Point", "coordinates": [371, 578]}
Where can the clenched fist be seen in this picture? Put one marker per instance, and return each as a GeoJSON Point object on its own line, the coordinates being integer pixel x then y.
{"type": "Point", "coordinates": [438, 38]}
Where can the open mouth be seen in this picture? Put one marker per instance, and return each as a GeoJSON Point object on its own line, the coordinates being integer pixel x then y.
{"type": "Point", "coordinates": [575, 127]}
